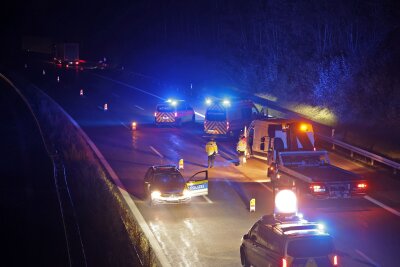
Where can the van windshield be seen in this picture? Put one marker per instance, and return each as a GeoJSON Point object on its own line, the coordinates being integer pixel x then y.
{"type": "Point", "coordinates": [215, 115]}
{"type": "Point", "coordinates": [165, 108]}
{"type": "Point", "coordinates": [310, 247]}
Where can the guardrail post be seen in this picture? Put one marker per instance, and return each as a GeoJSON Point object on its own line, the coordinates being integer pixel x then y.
{"type": "Point", "coordinates": [333, 135]}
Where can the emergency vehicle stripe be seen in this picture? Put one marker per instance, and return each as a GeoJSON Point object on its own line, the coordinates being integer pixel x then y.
{"type": "Point", "coordinates": [215, 127]}
{"type": "Point", "coordinates": [165, 117]}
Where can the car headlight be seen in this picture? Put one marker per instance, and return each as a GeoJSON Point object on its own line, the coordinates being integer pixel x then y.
{"type": "Point", "coordinates": [186, 193]}
{"type": "Point", "coordinates": [155, 194]}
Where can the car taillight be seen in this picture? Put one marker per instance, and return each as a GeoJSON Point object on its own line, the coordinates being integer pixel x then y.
{"type": "Point", "coordinates": [317, 188]}
{"type": "Point", "coordinates": [176, 114]}
{"type": "Point", "coordinates": [361, 185]}
{"type": "Point", "coordinates": [335, 260]}
{"type": "Point", "coordinates": [155, 114]}
{"type": "Point", "coordinates": [284, 262]}
{"type": "Point", "coordinates": [227, 125]}
{"type": "Point", "coordinates": [77, 63]}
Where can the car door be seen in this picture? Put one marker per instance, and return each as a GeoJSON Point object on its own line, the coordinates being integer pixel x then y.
{"type": "Point", "coordinates": [198, 184]}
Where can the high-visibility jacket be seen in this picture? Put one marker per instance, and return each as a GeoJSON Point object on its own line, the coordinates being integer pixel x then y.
{"type": "Point", "coordinates": [241, 145]}
{"type": "Point", "coordinates": [211, 148]}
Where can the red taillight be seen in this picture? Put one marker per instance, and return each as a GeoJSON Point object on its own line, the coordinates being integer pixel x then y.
{"type": "Point", "coordinates": [77, 63]}
{"type": "Point", "coordinates": [176, 114]}
{"type": "Point", "coordinates": [335, 260]}
{"type": "Point", "coordinates": [362, 185]}
{"type": "Point", "coordinates": [317, 188]}
{"type": "Point", "coordinates": [155, 114]}
{"type": "Point", "coordinates": [284, 262]}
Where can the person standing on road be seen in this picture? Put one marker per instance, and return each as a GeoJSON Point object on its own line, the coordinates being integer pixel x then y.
{"type": "Point", "coordinates": [212, 151]}
{"type": "Point", "coordinates": [241, 149]}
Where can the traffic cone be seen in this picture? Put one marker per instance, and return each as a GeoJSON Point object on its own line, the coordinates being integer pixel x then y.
{"type": "Point", "coordinates": [105, 107]}
{"type": "Point", "coordinates": [253, 205]}
{"type": "Point", "coordinates": [44, 72]}
{"type": "Point", "coordinates": [181, 164]}
{"type": "Point", "coordinates": [81, 92]}
{"type": "Point", "coordinates": [58, 79]}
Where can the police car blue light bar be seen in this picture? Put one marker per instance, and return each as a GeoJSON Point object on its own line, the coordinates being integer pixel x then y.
{"type": "Point", "coordinates": [226, 102]}
{"type": "Point", "coordinates": [208, 101]}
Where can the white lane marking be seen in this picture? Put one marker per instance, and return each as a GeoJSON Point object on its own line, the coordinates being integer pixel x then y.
{"type": "Point", "coordinates": [155, 151]}
{"type": "Point", "coordinates": [129, 86]}
{"type": "Point", "coordinates": [114, 94]}
{"type": "Point", "coordinates": [123, 124]}
{"type": "Point", "coordinates": [139, 107]}
{"type": "Point", "coordinates": [199, 114]}
{"type": "Point", "coordinates": [366, 258]}
{"type": "Point", "coordinates": [207, 199]}
{"type": "Point", "coordinates": [395, 212]}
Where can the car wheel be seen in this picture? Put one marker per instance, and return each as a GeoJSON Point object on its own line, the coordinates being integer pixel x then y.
{"type": "Point", "coordinates": [243, 259]}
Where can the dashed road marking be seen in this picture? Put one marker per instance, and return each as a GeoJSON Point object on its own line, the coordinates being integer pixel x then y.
{"type": "Point", "coordinates": [123, 124]}
{"type": "Point", "coordinates": [155, 151]}
{"type": "Point", "coordinates": [208, 199]}
{"type": "Point", "coordinates": [366, 258]}
{"type": "Point", "coordinates": [199, 114]}
{"type": "Point", "coordinates": [395, 212]}
{"type": "Point", "coordinates": [139, 107]}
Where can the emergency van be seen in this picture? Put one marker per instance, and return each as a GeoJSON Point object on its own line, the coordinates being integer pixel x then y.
{"type": "Point", "coordinates": [173, 112]}
{"type": "Point", "coordinates": [229, 118]}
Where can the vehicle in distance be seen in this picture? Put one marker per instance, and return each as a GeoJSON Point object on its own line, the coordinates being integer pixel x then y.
{"type": "Point", "coordinates": [289, 148]}
{"type": "Point", "coordinates": [225, 117]}
{"type": "Point", "coordinates": [165, 184]}
{"type": "Point", "coordinates": [173, 112]}
{"type": "Point", "coordinates": [287, 240]}
{"type": "Point", "coordinates": [67, 54]}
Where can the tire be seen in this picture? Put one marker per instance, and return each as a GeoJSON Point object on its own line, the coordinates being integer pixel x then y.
{"type": "Point", "coordinates": [243, 259]}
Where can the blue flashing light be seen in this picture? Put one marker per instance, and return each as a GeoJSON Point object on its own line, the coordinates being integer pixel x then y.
{"type": "Point", "coordinates": [173, 103]}
{"type": "Point", "coordinates": [226, 102]}
{"type": "Point", "coordinates": [208, 101]}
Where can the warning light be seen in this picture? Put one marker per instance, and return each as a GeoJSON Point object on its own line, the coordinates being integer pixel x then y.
{"type": "Point", "coordinates": [285, 202]}
{"type": "Point", "coordinates": [304, 127]}
{"type": "Point", "coordinates": [173, 103]}
{"type": "Point", "coordinates": [208, 101]}
{"type": "Point", "coordinates": [226, 102]}
{"type": "Point", "coordinates": [134, 125]}
{"type": "Point", "coordinates": [362, 185]}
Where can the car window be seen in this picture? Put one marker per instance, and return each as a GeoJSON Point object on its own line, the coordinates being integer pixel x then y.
{"type": "Point", "coordinates": [171, 179]}
{"type": "Point", "coordinates": [165, 108]}
{"type": "Point", "coordinates": [310, 247]}
{"type": "Point", "coordinates": [270, 239]}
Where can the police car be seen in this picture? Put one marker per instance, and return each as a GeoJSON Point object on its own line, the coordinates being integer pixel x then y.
{"type": "Point", "coordinates": [175, 112]}
{"type": "Point", "coordinates": [285, 239]}
{"type": "Point", "coordinates": [165, 184]}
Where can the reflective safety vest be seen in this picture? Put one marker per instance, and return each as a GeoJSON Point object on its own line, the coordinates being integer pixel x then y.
{"type": "Point", "coordinates": [211, 147]}
{"type": "Point", "coordinates": [241, 146]}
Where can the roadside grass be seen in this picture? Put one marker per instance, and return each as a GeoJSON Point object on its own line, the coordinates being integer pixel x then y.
{"type": "Point", "coordinates": [111, 235]}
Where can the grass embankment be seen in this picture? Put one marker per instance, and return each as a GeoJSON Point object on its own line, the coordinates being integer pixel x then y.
{"type": "Point", "coordinates": [111, 236]}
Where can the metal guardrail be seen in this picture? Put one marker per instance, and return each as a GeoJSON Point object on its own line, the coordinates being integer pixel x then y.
{"type": "Point", "coordinates": [362, 152]}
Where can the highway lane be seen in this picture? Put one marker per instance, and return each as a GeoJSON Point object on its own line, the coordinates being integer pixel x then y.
{"type": "Point", "coordinates": [184, 226]}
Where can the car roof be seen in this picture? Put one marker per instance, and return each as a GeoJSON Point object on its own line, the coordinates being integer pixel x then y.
{"type": "Point", "coordinates": [292, 226]}
{"type": "Point", "coordinates": [165, 168]}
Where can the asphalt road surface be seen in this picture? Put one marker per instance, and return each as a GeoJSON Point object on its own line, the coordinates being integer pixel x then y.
{"type": "Point", "coordinates": [207, 231]}
{"type": "Point", "coordinates": [31, 224]}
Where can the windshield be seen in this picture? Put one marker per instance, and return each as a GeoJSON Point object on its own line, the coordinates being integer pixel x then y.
{"type": "Point", "coordinates": [310, 247]}
{"type": "Point", "coordinates": [215, 115]}
{"type": "Point", "coordinates": [169, 181]}
{"type": "Point", "coordinates": [165, 108]}
{"type": "Point", "coordinates": [306, 159]}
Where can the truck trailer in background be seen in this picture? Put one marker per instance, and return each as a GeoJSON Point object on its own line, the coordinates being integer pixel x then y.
{"type": "Point", "coordinates": [66, 54]}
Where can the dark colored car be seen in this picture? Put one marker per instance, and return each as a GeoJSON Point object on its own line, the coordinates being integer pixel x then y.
{"type": "Point", "coordinates": [165, 184]}
{"type": "Point", "coordinates": [287, 241]}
